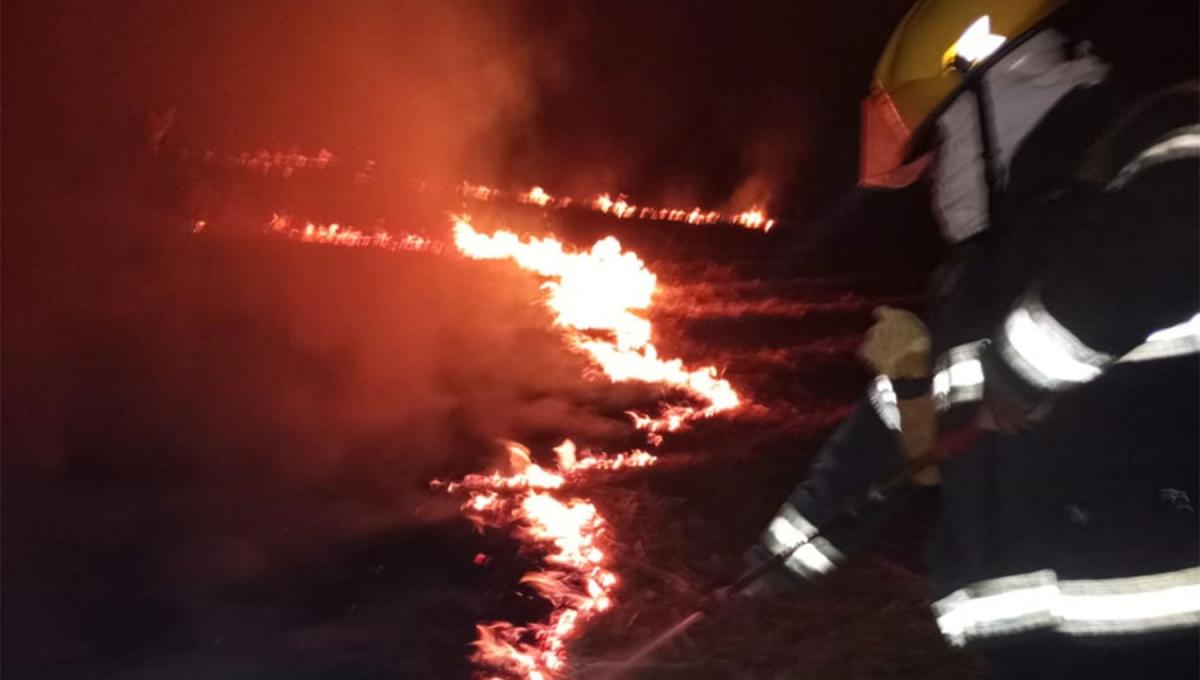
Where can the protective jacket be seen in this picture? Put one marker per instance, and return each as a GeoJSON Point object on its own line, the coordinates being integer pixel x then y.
{"type": "Point", "coordinates": [1078, 308]}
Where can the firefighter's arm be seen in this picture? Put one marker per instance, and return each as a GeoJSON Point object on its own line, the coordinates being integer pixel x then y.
{"type": "Point", "coordinates": [861, 452]}
{"type": "Point", "coordinates": [1133, 275]}
{"type": "Point", "coordinates": [884, 430]}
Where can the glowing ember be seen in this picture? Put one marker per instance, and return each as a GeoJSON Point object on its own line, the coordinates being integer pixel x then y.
{"type": "Point", "coordinates": [350, 237]}
{"type": "Point", "coordinates": [603, 290]}
{"type": "Point", "coordinates": [536, 196]}
{"type": "Point", "coordinates": [754, 219]}
{"type": "Point", "coordinates": [620, 207]}
{"type": "Point", "coordinates": [283, 163]}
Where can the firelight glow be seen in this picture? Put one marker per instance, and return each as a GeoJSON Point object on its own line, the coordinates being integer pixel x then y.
{"type": "Point", "coordinates": [600, 298]}
{"type": "Point", "coordinates": [606, 289]}
{"type": "Point", "coordinates": [348, 236]}
{"type": "Point", "coordinates": [602, 290]}
{"type": "Point", "coordinates": [753, 218]}
{"type": "Point", "coordinates": [570, 534]}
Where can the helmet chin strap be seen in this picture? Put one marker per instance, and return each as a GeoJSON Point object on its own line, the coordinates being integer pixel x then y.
{"type": "Point", "coordinates": [993, 172]}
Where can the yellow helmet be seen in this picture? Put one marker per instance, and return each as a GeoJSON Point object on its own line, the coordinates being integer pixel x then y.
{"type": "Point", "coordinates": [938, 48]}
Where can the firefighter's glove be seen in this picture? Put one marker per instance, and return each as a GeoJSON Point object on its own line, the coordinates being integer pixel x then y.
{"type": "Point", "coordinates": [897, 345]}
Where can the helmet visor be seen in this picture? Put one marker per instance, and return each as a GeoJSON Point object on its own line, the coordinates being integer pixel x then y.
{"type": "Point", "coordinates": [886, 141]}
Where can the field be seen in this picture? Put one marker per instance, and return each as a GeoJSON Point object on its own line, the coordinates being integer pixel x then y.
{"type": "Point", "coordinates": [220, 465]}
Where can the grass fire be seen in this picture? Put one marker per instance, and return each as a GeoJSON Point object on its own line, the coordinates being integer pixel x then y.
{"type": "Point", "coordinates": [466, 340]}
{"type": "Point", "coordinates": [372, 366]}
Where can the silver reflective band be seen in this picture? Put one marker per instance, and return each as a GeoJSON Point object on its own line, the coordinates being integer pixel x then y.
{"type": "Point", "coordinates": [1176, 341]}
{"type": "Point", "coordinates": [1043, 352]}
{"type": "Point", "coordinates": [959, 379]}
{"type": "Point", "coordinates": [791, 531]}
{"type": "Point", "coordinates": [882, 396]}
{"type": "Point", "coordinates": [1181, 143]}
{"type": "Point", "coordinates": [958, 375]}
{"type": "Point", "coordinates": [787, 529]}
{"type": "Point", "coordinates": [814, 559]}
{"type": "Point", "coordinates": [1040, 601]}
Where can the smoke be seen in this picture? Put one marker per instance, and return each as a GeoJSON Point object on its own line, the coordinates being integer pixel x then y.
{"type": "Point", "coordinates": [770, 158]}
{"type": "Point", "coordinates": [216, 414]}
{"type": "Point", "coordinates": [249, 355]}
{"type": "Point", "coordinates": [432, 91]}
{"type": "Point", "coordinates": [189, 414]}
{"type": "Point", "coordinates": [194, 413]}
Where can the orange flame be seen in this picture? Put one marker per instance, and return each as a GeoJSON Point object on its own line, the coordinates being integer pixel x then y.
{"type": "Point", "coordinates": [349, 237]}
{"type": "Point", "coordinates": [605, 289]}
{"type": "Point", "coordinates": [569, 533]}
{"type": "Point", "coordinates": [620, 207]}
{"type": "Point", "coordinates": [536, 196]}
{"type": "Point", "coordinates": [754, 218]}
{"type": "Point", "coordinates": [600, 298]}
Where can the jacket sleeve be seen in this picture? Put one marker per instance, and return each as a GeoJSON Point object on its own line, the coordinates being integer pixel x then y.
{"type": "Point", "coordinates": [861, 452]}
{"type": "Point", "coordinates": [1133, 273]}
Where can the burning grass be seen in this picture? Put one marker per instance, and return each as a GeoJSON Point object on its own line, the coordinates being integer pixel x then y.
{"type": "Point", "coordinates": [620, 207]}
{"type": "Point", "coordinates": [623, 562]}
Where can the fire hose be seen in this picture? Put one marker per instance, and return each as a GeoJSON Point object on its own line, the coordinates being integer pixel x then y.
{"type": "Point", "coordinates": [897, 346]}
{"type": "Point", "coordinates": [711, 604]}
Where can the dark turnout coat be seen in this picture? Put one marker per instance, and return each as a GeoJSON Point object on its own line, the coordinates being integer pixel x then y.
{"type": "Point", "coordinates": [1078, 306]}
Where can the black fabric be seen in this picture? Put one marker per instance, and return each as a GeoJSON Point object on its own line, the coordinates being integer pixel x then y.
{"type": "Point", "coordinates": [834, 496]}
{"type": "Point", "coordinates": [1095, 489]}
{"type": "Point", "coordinates": [861, 452]}
{"type": "Point", "coordinates": [1140, 127]}
{"type": "Point", "coordinates": [1132, 267]}
{"type": "Point", "coordinates": [1053, 657]}
{"type": "Point", "coordinates": [910, 388]}
{"type": "Point", "coordinates": [1120, 266]}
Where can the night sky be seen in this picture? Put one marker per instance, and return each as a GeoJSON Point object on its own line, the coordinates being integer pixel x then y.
{"type": "Point", "coordinates": [216, 451]}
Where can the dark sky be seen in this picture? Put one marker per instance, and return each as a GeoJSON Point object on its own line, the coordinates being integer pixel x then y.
{"type": "Point", "coordinates": [664, 99]}
{"type": "Point", "coordinates": [667, 100]}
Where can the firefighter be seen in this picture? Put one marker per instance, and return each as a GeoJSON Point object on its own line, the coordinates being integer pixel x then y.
{"type": "Point", "coordinates": [1060, 362]}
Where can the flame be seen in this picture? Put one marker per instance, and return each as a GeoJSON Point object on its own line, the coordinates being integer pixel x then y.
{"type": "Point", "coordinates": [350, 237]}
{"type": "Point", "coordinates": [600, 298]}
{"type": "Point", "coordinates": [569, 534]}
{"type": "Point", "coordinates": [754, 218]}
{"type": "Point", "coordinates": [536, 196]}
{"type": "Point", "coordinates": [606, 290]}
{"type": "Point", "coordinates": [620, 207]}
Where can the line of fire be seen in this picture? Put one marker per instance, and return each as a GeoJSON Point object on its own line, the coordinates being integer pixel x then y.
{"type": "Point", "coordinates": [599, 340]}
